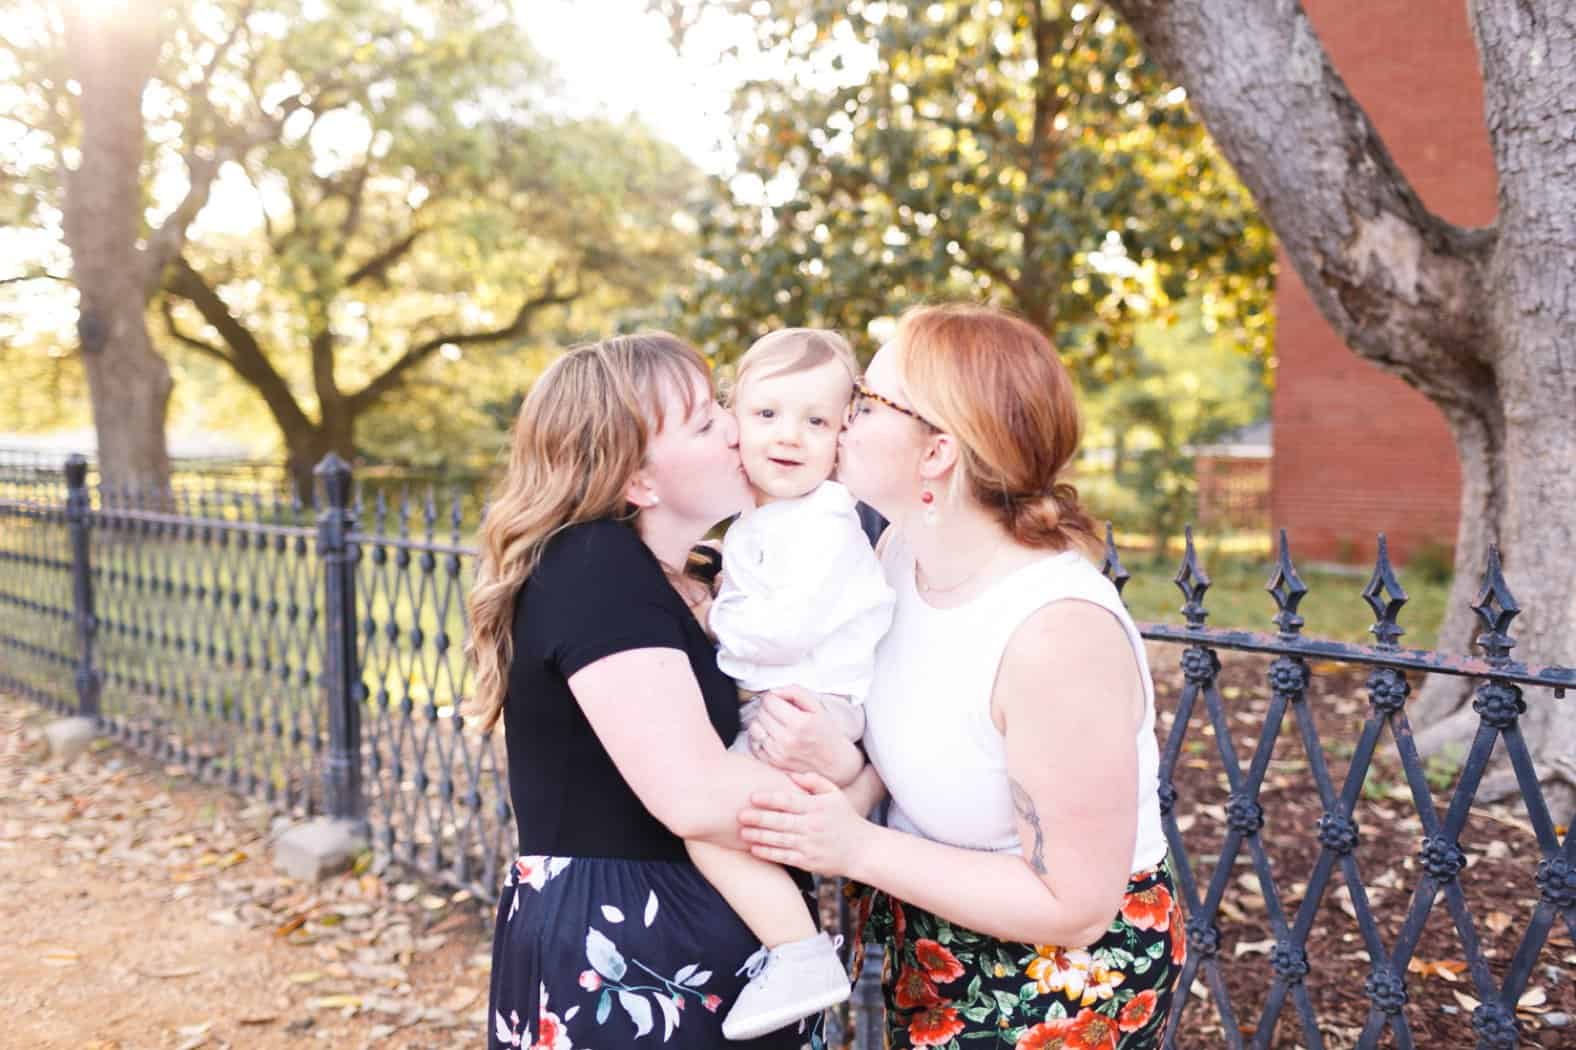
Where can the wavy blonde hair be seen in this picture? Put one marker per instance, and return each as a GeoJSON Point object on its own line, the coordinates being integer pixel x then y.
{"type": "Point", "coordinates": [995, 383]}
{"type": "Point", "coordinates": [581, 436]}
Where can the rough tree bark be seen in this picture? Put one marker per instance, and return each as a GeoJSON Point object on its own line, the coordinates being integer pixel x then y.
{"type": "Point", "coordinates": [1473, 318]}
{"type": "Point", "coordinates": [128, 381]}
{"type": "Point", "coordinates": [111, 53]}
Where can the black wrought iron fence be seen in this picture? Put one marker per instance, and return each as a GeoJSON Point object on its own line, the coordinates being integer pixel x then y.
{"type": "Point", "coordinates": [312, 656]}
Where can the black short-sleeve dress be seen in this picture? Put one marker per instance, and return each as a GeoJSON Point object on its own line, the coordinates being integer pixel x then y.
{"type": "Point", "coordinates": [607, 936]}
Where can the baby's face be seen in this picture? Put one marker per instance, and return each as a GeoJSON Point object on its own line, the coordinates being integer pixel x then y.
{"type": "Point", "coordinates": [788, 427]}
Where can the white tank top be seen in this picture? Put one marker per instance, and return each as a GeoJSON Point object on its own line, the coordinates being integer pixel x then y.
{"type": "Point", "coordinates": [928, 727]}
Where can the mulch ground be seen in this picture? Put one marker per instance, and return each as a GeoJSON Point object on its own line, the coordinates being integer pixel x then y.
{"type": "Point", "coordinates": [1501, 893]}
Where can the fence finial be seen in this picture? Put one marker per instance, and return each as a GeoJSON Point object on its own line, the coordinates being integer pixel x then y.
{"type": "Point", "coordinates": [1385, 596]}
{"type": "Point", "coordinates": [1192, 581]}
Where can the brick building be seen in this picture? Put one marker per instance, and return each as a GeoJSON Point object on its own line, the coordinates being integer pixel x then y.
{"type": "Point", "coordinates": [1356, 449]}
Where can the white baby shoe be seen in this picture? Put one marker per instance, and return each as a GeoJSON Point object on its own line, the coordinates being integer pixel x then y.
{"type": "Point", "coordinates": [787, 983]}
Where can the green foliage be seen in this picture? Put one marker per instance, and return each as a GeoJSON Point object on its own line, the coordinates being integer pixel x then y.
{"type": "Point", "coordinates": [1184, 387]}
{"type": "Point", "coordinates": [1020, 152]}
{"type": "Point", "coordinates": [428, 226]}
{"type": "Point", "coordinates": [405, 221]}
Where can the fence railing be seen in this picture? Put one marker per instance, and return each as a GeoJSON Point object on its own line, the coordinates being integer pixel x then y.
{"type": "Point", "coordinates": [312, 656]}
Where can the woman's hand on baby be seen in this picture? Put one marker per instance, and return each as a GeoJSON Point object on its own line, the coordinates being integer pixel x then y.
{"type": "Point", "coordinates": [794, 732]}
{"type": "Point", "coordinates": [815, 828]}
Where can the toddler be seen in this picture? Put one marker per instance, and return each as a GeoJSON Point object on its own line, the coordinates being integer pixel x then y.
{"type": "Point", "coordinates": [803, 601]}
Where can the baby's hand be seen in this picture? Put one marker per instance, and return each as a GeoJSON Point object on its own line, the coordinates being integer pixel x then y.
{"type": "Point", "coordinates": [794, 732]}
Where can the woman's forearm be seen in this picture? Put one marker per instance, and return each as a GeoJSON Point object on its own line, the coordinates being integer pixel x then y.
{"type": "Point", "coordinates": [722, 786]}
{"type": "Point", "coordinates": [994, 893]}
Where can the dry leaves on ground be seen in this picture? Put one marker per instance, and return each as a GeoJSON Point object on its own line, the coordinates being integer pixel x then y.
{"type": "Point", "coordinates": [140, 909]}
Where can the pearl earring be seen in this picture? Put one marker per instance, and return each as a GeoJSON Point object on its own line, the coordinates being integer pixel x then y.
{"type": "Point", "coordinates": [928, 498]}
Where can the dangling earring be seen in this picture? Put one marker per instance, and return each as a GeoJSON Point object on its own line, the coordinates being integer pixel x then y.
{"type": "Point", "coordinates": [928, 498]}
{"type": "Point", "coordinates": [655, 499]}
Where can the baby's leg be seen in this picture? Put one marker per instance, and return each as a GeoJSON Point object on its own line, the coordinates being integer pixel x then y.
{"type": "Point", "coordinates": [761, 892]}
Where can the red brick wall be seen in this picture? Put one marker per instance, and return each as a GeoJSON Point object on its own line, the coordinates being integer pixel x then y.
{"type": "Point", "coordinates": [1358, 451]}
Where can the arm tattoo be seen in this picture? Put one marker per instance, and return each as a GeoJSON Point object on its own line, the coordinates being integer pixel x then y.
{"type": "Point", "coordinates": [1025, 807]}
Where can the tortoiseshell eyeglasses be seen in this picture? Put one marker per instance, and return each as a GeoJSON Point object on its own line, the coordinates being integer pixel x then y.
{"type": "Point", "coordinates": [863, 393]}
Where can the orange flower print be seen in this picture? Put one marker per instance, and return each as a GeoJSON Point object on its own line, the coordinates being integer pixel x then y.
{"type": "Point", "coordinates": [1056, 970]}
{"type": "Point", "coordinates": [1148, 909]}
{"type": "Point", "coordinates": [1091, 1031]}
{"type": "Point", "coordinates": [939, 964]}
{"type": "Point", "coordinates": [899, 924]}
{"type": "Point", "coordinates": [1178, 936]}
{"type": "Point", "coordinates": [1137, 1013]}
{"type": "Point", "coordinates": [914, 989]}
{"type": "Point", "coordinates": [1102, 984]}
{"type": "Point", "coordinates": [1052, 1035]}
{"type": "Point", "coordinates": [935, 1026]}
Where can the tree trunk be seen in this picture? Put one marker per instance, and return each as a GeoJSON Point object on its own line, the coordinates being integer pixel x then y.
{"type": "Point", "coordinates": [307, 447]}
{"type": "Point", "coordinates": [129, 383]}
{"type": "Point", "coordinates": [1472, 318]}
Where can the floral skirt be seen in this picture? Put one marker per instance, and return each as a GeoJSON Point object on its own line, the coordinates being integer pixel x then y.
{"type": "Point", "coordinates": [608, 953]}
{"type": "Point", "coordinates": [944, 983]}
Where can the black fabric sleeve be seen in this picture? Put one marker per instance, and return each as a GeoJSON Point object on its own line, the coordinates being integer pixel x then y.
{"type": "Point", "coordinates": [599, 591]}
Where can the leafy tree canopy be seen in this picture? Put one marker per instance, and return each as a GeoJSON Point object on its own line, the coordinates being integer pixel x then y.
{"type": "Point", "coordinates": [1023, 152]}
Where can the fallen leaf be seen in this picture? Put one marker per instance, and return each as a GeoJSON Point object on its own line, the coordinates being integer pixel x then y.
{"type": "Point", "coordinates": [1497, 922]}
{"type": "Point", "coordinates": [290, 925]}
{"type": "Point", "coordinates": [171, 972]}
{"type": "Point", "coordinates": [406, 892]}
{"type": "Point", "coordinates": [1532, 998]}
{"type": "Point", "coordinates": [256, 1019]}
{"type": "Point", "coordinates": [333, 1002]}
{"type": "Point", "coordinates": [61, 957]}
{"type": "Point", "coordinates": [1467, 1002]}
{"type": "Point", "coordinates": [1253, 947]}
{"type": "Point", "coordinates": [432, 902]}
{"type": "Point", "coordinates": [1449, 969]}
{"type": "Point", "coordinates": [305, 977]}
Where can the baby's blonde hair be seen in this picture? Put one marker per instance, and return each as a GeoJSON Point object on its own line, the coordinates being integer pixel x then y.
{"type": "Point", "coordinates": [790, 350]}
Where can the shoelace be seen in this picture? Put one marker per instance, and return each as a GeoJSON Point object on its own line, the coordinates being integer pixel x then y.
{"type": "Point", "coordinates": [754, 964]}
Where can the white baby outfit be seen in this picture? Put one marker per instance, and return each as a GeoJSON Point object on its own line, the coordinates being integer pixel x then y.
{"type": "Point", "coordinates": [803, 602]}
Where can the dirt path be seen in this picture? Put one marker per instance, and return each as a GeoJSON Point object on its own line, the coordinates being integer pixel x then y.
{"type": "Point", "coordinates": [139, 909]}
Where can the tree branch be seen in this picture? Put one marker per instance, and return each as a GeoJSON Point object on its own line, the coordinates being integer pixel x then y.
{"type": "Point", "coordinates": [201, 168]}
{"type": "Point", "coordinates": [167, 241]}
{"type": "Point", "coordinates": [42, 275]}
{"type": "Point", "coordinates": [394, 374]}
{"type": "Point", "coordinates": [1403, 287]}
{"type": "Point", "coordinates": [323, 381]}
{"type": "Point", "coordinates": [377, 267]}
{"type": "Point", "coordinates": [202, 346]}
{"type": "Point", "coordinates": [246, 356]}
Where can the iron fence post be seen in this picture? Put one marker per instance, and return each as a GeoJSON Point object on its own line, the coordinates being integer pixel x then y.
{"type": "Point", "coordinates": [341, 673]}
{"type": "Point", "coordinates": [78, 506]}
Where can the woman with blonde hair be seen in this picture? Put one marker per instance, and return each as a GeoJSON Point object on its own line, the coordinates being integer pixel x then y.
{"type": "Point", "coordinates": [617, 718]}
{"type": "Point", "coordinates": [1018, 880]}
